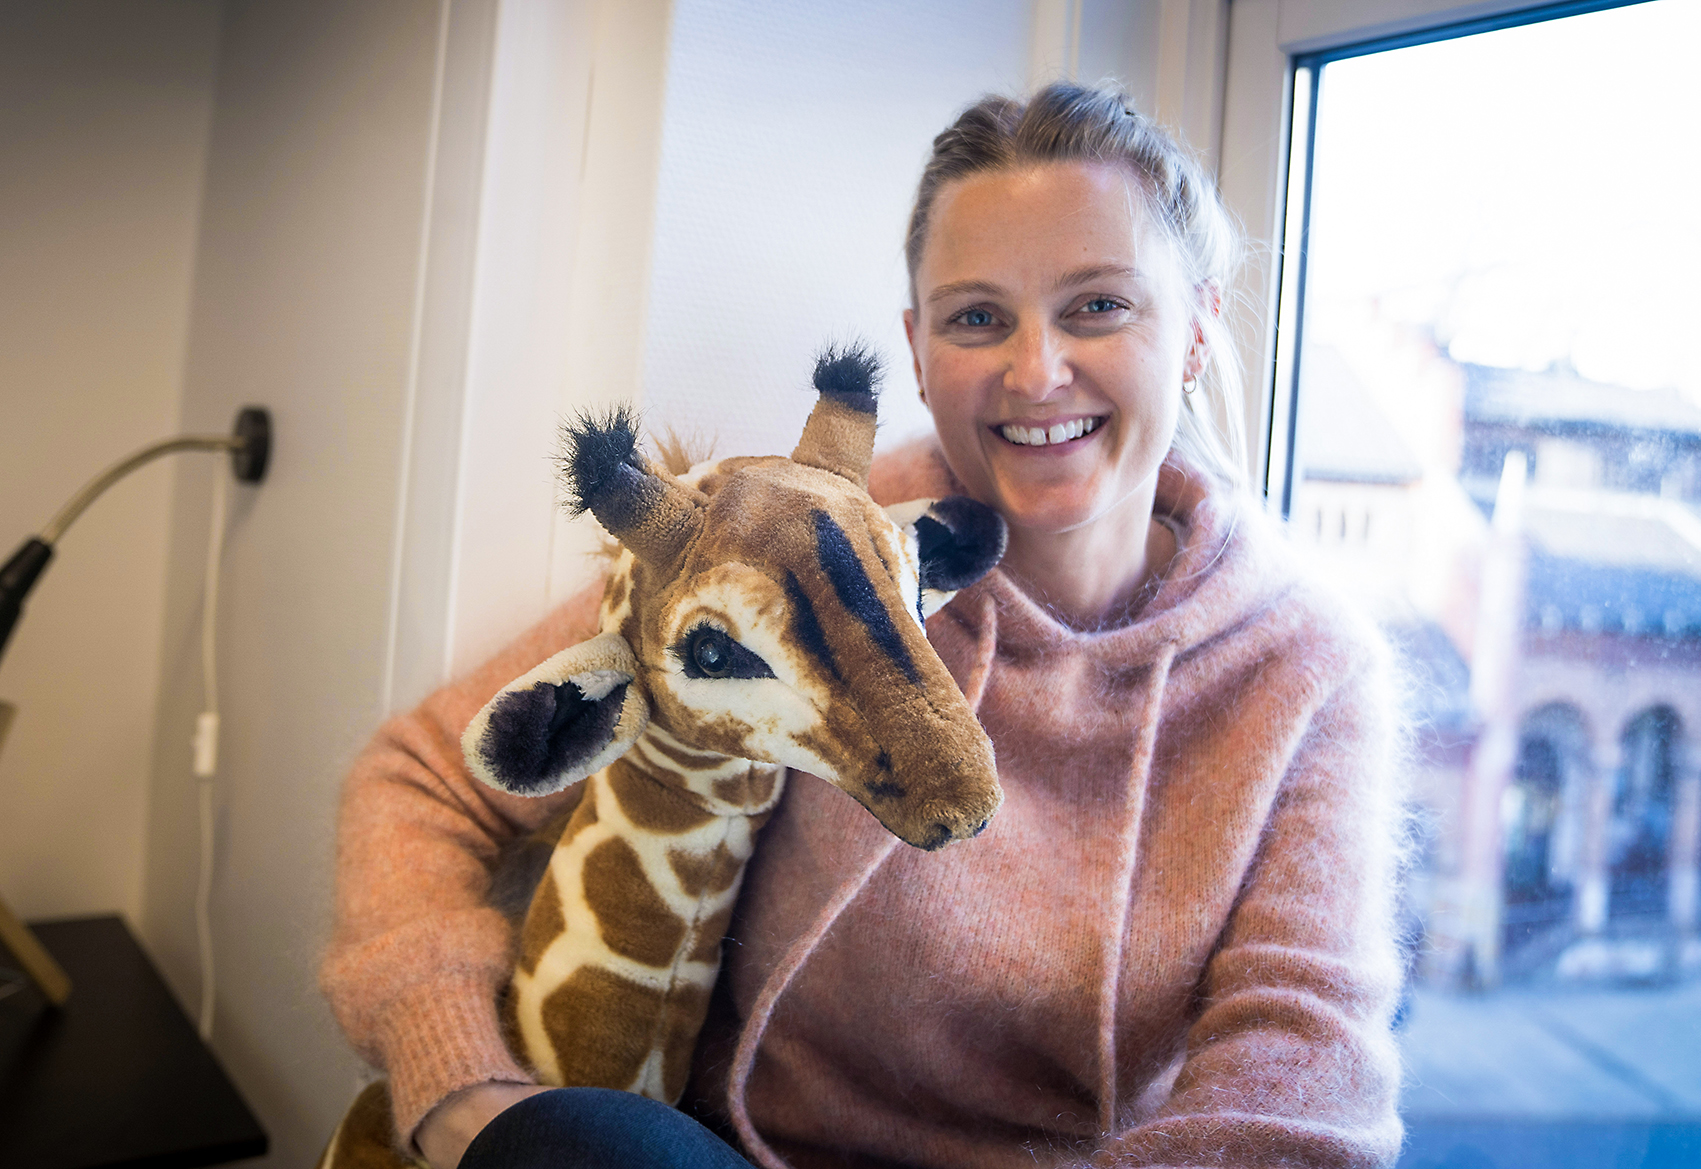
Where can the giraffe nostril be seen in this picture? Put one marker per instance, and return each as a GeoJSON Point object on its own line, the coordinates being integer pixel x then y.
{"type": "Point", "coordinates": [981, 827]}
{"type": "Point", "coordinates": [883, 761]}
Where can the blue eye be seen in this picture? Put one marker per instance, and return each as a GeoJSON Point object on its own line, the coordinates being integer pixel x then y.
{"type": "Point", "coordinates": [975, 318]}
{"type": "Point", "coordinates": [1101, 304]}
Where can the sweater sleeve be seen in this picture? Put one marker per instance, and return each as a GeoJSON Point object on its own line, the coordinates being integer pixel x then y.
{"type": "Point", "coordinates": [418, 953]}
{"type": "Point", "coordinates": [1292, 1059]}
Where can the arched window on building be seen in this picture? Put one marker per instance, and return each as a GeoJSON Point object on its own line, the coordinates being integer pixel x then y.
{"type": "Point", "coordinates": [1640, 838]}
{"type": "Point", "coordinates": [1539, 819]}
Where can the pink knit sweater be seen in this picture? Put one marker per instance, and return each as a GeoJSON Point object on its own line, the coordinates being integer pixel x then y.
{"type": "Point", "coordinates": [1173, 946]}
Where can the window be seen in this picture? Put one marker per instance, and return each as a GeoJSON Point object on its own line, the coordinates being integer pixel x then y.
{"type": "Point", "coordinates": [1488, 429]}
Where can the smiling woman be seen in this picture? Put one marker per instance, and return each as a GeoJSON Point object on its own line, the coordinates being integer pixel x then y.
{"type": "Point", "coordinates": [1172, 945]}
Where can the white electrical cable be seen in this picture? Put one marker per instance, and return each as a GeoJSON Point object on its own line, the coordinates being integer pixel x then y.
{"type": "Point", "coordinates": [206, 745]}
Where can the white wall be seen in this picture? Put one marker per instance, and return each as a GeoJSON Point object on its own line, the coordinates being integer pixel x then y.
{"type": "Point", "coordinates": [558, 298]}
{"type": "Point", "coordinates": [1168, 55]}
{"type": "Point", "coordinates": [792, 140]}
{"type": "Point", "coordinates": [307, 293]}
{"type": "Point", "coordinates": [104, 114]}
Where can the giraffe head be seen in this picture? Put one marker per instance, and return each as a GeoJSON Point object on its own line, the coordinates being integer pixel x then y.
{"type": "Point", "coordinates": [767, 609]}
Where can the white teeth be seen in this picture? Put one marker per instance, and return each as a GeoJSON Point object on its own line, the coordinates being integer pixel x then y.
{"type": "Point", "coordinates": [1039, 436]}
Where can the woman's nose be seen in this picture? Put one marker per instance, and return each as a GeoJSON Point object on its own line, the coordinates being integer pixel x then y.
{"type": "Point", "coordinates": [1039, 364]}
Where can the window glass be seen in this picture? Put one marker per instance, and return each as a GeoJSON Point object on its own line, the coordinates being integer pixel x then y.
{"type": "Point", "coordinates": [1497, 449]}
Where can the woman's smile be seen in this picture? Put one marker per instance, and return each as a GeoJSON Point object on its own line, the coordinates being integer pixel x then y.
{"type": "Point", "coordinates": [1054, 434]}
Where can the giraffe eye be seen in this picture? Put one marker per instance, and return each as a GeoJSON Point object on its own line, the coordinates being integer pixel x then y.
{"type": "Point", "coordinates": [708, 652]}
{"type": "Point", "coordinates": [711, 652]}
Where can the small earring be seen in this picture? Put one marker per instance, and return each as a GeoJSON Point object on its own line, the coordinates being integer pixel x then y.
{"type": "Point", "coordinates": [921, 392]}
{"type": "Point", "coordinates": [1188, 385]}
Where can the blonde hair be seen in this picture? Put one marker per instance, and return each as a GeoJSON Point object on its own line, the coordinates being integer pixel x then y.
{"type": "Point", "coordinates": [1072, 123]}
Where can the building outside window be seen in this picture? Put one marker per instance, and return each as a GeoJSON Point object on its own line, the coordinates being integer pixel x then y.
{"type": "Point", "coordinates": [1496, 447]}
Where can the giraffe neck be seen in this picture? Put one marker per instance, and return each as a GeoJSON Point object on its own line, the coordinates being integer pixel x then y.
{"type": "Point", "coordinates": [628, 920]}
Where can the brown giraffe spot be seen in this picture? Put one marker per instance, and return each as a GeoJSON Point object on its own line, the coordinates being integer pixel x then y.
{"type": "Point", "coordinates": [651, 806]}
{"type": "Point", "coordinates": [699, 873]}
{"type": "Point", "coordinates": [544, 923]}
{"type": "Point", "coordinates": [631, 915]}
{"type": "Point", "coordinates": [602, 1027]}
{"type": "Point", "coordinates": [752, 789]}
{"type": "Point", "coordinates": [836, 742]}
{"type": "Point", "coordinates": [690, 760]}
{"type": "Point", "coordinates": [711, 931]}
{"type": "Point", "coordinates": [618, 587]}
{"type": "Point", "coordinates": [687, 1007]}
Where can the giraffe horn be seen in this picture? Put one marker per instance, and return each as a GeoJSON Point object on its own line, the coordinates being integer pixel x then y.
{"type": "Point", "coordinates": [604, 474]}
{"type": "Point", "coordinates": [839, 436]}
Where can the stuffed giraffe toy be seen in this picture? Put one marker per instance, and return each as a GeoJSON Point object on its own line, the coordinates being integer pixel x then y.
{"type": "Point", "coordinates": [762, 613]}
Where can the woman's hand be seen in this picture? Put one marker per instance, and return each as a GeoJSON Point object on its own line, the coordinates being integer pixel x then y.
{"type": "Point", "coordinates": [448, 1129]}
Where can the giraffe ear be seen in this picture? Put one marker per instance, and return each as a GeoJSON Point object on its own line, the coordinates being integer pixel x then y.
{"type": "Point", "coordinates": [571, 716]}
{"type": "Point", "coordinates": [957, 540]}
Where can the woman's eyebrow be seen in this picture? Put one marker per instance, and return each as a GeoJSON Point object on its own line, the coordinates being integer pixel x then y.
{"type": "Point", "coordinates": [1095, 272]}
{"type": "Point", "coordinates": [963, 288]}
{"type": "Point", "coordinates": [1067, 280]}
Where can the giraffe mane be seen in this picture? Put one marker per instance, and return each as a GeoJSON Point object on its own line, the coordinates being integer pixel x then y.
{"type": "Point", "coordinates": [678, 453]}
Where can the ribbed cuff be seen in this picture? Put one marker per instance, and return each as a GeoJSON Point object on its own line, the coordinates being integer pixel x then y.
{"type": "Point", "coordinates": [446, 1038]}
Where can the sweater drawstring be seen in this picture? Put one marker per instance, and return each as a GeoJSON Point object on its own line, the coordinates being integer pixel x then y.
{"type": "Point", "coordinates": [1145, 741]}
{"type": "Point", "coordinates": [762, 1013]}
{"type": "Point", "coordinates": [986, 648]}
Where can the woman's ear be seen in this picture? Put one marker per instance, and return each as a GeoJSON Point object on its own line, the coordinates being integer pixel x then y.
{"type": "Point", "coordinates": [1208, 303]}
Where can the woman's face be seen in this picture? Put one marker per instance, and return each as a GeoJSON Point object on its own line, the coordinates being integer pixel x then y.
{"type": "Point", "coordinates": [1051, 334]}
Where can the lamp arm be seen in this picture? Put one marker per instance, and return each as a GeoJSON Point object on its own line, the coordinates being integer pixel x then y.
{"type": "Point", "coordinates": [91, 490]}
{"type": "Point", "coordinates": [250, 449]}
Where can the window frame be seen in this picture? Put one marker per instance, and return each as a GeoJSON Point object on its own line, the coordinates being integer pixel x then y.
{"type": "Point", "coordinates": [1276, 49]}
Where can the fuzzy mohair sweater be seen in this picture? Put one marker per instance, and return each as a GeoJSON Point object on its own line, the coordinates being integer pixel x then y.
{"type": "Point", "coordinates": [1173, 946]}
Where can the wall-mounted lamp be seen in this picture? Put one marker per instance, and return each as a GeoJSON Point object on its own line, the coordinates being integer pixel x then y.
{"type": "Point", "coordinates": [250, 446]}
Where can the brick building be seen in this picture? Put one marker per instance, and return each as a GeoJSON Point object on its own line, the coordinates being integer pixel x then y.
{"type": "Point", "coordinates": [1553, 629]}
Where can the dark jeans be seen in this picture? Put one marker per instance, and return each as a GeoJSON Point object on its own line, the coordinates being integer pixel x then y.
{"type": "Point", "coordinates": [597, 1128]}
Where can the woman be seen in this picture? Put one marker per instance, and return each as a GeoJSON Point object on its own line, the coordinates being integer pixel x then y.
{"type": "Point", "coordinates": [1174, 944]}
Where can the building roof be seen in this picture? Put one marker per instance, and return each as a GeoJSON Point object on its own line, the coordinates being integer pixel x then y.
{"type": "Point", "coordinates": [1559, 399]}
{"type": "Point", "coordinates": [1610, 561]}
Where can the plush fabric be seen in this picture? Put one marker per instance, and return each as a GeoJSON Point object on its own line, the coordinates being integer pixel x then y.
{"type": "Point", "coordinates": [1173, 946]}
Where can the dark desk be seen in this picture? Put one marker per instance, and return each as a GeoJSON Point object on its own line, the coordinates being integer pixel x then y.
{"type": "Point", "coordinates": [118, 1077]}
